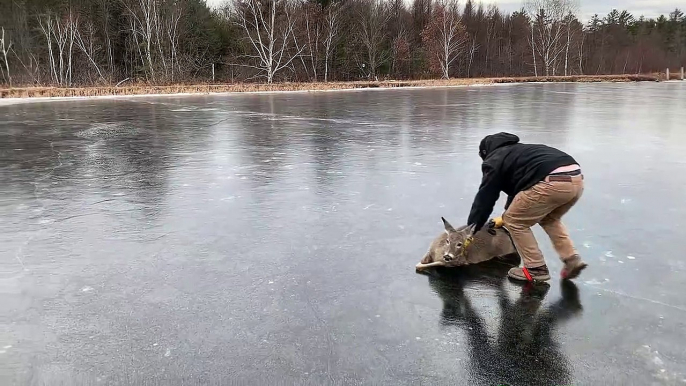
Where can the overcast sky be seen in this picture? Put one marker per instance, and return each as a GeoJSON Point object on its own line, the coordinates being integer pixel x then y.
{"type": "Point", "coordinates": [649, 8]}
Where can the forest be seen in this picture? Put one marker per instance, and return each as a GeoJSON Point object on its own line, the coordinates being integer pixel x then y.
{"type": "Point", "coordinates": [74, 43]}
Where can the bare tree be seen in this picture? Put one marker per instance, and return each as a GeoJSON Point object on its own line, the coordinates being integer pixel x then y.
{"type": "Point", "coordinates": [581, 53]}
{"type": "Point", "coordinates": [569, 41]}
{"type": "Point", "coordinates": [444, 36]}
{"type": "Point", "coordinates": [312, 31]}
{"type": "Point", "coordinates": [401, 51]}
{"type": "Point", "coordinates": [21, 29]}
{"type": "Point", "coordinates": [331, 26]}
{"type": "Point", "coordinates": [171, 27]}
{"type": "Point", "coordinates": [569, 23]}
{"type": "Point", "coordinates": [61, 32]}
{"type": "Point", "coordinates": [547, 29]}
{"type": "Point", "coordinates": [71, 27]}
{"type": "Point", "coordinates": [45, 23]}
{"type": "Point", "coordinates": [6, 46]}
{"type": "Point", "coordinates": [310, 21]}
{"type": "Point", "coordinates": [473, 47]}
{"type": "Point", "coordinates": [105, 7]}
{"type": "Point", "coordinates": [269, 32]}
{"type": "Point", "coordinates": [373, 16]}
{"type": "Point", "coordinates": [87, 45]}
{"type": "Point", "coordinates": [532, 42]}
{"type": "Point", "coordinates": [142, 22]}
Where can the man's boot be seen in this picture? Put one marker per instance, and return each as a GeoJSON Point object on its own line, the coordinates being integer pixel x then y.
{"type": "Point", "coordinates": [530, 274]}
{"type": "Point", "coordinates": [573, 267]}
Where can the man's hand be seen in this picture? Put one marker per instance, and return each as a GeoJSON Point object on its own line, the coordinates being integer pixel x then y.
{"type": "Point", "coordinates": [495, 223]}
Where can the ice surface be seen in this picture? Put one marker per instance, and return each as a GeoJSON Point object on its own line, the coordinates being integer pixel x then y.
{"type": "Point", "coordinates": [138, 243]}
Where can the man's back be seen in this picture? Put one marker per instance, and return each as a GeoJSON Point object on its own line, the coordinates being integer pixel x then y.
{"type": "Point", "coordinates": [521, 166]}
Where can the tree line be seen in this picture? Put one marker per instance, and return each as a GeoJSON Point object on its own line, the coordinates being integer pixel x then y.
{"type": "Point", "coordinates": [110, 42]}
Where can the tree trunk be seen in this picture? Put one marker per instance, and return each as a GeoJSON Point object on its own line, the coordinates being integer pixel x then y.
{"type": "Point", "coordinates": [581, 53]}
{"type": "Point", "coordinates": [567, 50]}
{"type": "Point", "coordinates": [332, 32]}
{"type": "Point", "coordinates": [5, 49]}
{"type": "Point", "coordinates": [72, 27]}
{"type": "Point", "coordinates": [533, 50]}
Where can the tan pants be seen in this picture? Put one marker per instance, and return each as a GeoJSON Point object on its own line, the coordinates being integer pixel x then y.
{"type": "Point", "coordinates": [545, 203]}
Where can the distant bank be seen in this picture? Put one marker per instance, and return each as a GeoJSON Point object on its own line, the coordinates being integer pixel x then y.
{"type": "Point", "coordinates": [61, 92]}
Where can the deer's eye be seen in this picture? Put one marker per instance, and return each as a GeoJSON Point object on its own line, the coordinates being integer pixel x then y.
{"type": "Point", "coordinates": [459, 245]}
{"type": "Point", "coordinates": [447, 241]}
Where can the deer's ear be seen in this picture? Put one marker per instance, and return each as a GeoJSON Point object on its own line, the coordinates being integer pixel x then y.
{"type": "Point", "coordinates": [448, 227]}
{"type": "Point", "coordinates": [469, 231]}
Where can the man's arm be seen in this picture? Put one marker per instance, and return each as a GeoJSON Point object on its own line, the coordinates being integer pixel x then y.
{"type": "Point", "coordinates": [486, 197]}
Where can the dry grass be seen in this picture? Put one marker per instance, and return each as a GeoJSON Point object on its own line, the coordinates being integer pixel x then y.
{"type": "Point", "coordinates": [582, 78]}
{"type": "Point", "coordinates": [32, 92]}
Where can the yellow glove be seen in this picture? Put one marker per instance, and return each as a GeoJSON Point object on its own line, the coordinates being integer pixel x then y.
{"type": "Point", "coordinates": [496, 223]}
{"type": "Point", "coordinates": [465, 244]}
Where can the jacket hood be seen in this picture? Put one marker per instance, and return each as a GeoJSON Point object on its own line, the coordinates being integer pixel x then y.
{"type": "Point", "coordinates": [494, 141]}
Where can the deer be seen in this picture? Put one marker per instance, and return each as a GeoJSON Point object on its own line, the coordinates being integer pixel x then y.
{"type": "Point", "coordinates": [462, 247]}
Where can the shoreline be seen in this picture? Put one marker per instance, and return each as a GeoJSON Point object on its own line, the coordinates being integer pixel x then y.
{"type": "Point", "coordinates": [51, 93]}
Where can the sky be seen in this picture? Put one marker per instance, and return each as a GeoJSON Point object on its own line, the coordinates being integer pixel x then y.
{"type": "Point", "coordinates": [648, 8]}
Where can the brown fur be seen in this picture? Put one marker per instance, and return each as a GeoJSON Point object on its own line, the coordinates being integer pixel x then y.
{"type": "Point", "coordinates": [447, 249]}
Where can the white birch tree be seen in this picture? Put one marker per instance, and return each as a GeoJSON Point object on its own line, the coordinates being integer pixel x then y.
{"type": "Point", "coordinates": [61, 32]}
{"type": "Point", "coordinates": [269, 30]}
{"type": "Point", "coordinates": [142, 23]}
{"type": "Point", "coordinates": [548, 27]}
{"type": "Point", "coordinates": [6, 47]}
{"type": "Point", "coordinates": [372, 18]}
{"type": "Point", "coordinates": [331, 26]}
{"type": "Point", "coordinates": [444, 36]}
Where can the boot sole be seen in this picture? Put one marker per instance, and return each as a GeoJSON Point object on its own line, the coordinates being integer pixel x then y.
{"type": "Point", "coordinates": [574, 272]}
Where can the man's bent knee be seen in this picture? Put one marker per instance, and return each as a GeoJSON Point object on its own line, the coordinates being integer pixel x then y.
{"type": "Point", "coordinates": [548, 221]}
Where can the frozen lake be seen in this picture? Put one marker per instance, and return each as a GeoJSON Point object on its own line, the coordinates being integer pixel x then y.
{"type": "Point", "coordinates": [272, 238]}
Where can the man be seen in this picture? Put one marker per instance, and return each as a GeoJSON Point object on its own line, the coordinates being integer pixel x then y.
{"type": "Point", "coordinates": [542, 184]}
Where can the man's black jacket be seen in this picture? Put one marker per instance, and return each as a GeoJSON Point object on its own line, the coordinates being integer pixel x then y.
{"type": "Point", "coordinates": [511, 167]}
